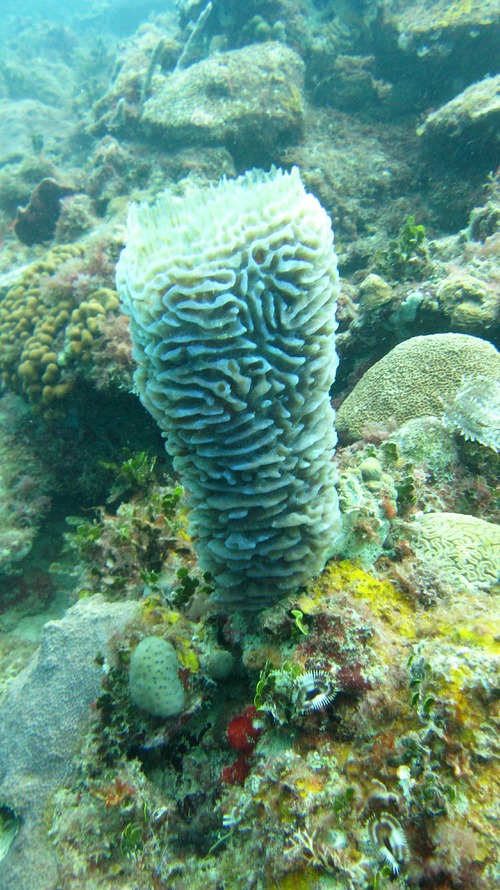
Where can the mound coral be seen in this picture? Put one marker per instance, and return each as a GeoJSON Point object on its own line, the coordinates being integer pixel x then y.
{"type": "Point", "coordinates": [231, 295]}
{"type": "Point", "coordinates": [416, 379]}
{"type": "Point", "coordinates": [462, 549]}
{"type": "Point", "coordinates": [47, 329]}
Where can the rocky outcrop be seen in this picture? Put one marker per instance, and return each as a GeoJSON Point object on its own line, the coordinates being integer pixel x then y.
{"type": "Point", "coordinates": [246, 100]}
{"type": "Point", "coordinates": [43, 721]}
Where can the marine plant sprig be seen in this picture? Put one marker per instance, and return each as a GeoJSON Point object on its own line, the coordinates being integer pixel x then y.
{"type": "Point", "coordinates": [405, 256]}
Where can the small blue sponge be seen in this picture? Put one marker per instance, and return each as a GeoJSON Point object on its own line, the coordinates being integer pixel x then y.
{"type": "Point", "coordinates": [231, 293]}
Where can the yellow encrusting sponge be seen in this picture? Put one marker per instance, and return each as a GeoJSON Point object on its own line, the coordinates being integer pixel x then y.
{"type": "Point", "coordinates": [231, 293]}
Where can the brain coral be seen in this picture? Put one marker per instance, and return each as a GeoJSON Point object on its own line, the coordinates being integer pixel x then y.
{"type": "Point", "coordinates": [463, 549]}
{"type": "Point", "coordinates": [231, 295]}
{"type": "Point", "coordinates": [417, 378]}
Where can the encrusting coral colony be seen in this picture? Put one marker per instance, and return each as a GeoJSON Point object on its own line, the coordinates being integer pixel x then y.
{"type": "Point", "coordinates": [250, 507]}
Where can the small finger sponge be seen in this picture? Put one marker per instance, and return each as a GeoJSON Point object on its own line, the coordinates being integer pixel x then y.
{"type": "Point", "coordinates": [154, 682]}
{"type": "Point", "coordinates": [231, 293]}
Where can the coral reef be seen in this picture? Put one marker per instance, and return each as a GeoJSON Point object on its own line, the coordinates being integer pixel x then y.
{"type": "Point", "coordinates": [466, 126]}
{"type": "Point", "coordinates": [140, 542]}
{"type": "Point", "coordinates": [361, 759]}
{"type": "Point", "coordinates": [347, 735]}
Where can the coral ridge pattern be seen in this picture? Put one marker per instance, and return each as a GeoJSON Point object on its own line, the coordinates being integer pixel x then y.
{"type": "Point", "coordinates": [419, 377]}
{"type": "Point", "coordinates": [465, 548]}
{"type": "Point", "coordinates": [231, 295]}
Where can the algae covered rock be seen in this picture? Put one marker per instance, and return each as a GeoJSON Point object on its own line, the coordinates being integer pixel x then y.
{"type": "Point", "coordinates": [246, 97]}
{"type": "Point", "coordinates": [375, 292]}
{"type": "Point", "coordinates": [441, 33]}
{"type": "Point", "coordinates": [471, 305]}
{"type": "Point", "coordinates": [468, 125]}
{"type": "Point", "coordinates": [417, 378]}
{"type": "Point", "coordinates": [427, 441]}
{"type": "Point", "coordinates": [364, 493]}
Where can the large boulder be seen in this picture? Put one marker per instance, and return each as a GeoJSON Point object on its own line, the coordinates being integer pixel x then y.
{"type": "Point", "coordinates": [247, 100]}
{"type": "Point", "coordinates": [467, 127]}
{"type": "Point", "coordinates": [43, 721]}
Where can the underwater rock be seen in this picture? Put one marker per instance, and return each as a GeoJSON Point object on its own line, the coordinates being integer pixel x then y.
{"type": "Point", "coordinates": [248, 100]}
{"type": "Point", "coordinates": [417, 378]}
{"type": "Point", "coordinates": [471, 305]}
{"type": "Point", "coordinates": [43, 720]}
{"type": "Point", "coordinates": [231, 294]}
{"type": "Point", "coordinates": [467, 127]}
{"type": "Point", "coordinates": [21, 119]}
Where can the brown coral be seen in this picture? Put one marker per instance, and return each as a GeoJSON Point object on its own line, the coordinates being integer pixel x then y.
{"type": "Point", "coordinates": [415, 379]}
{"type": "Point", "coordinates": [47, 331]}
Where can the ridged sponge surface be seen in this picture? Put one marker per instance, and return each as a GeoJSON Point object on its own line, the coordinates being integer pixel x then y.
{"type": "Point", "coordinates": [231, 293]}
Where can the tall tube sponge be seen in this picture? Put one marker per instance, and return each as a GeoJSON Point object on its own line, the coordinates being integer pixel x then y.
{"type": "Point", "coordinates": [231, 293]}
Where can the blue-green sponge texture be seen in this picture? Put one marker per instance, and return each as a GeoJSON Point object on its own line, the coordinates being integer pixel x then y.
{"type": "Point", "coordinates": [231, 293]}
